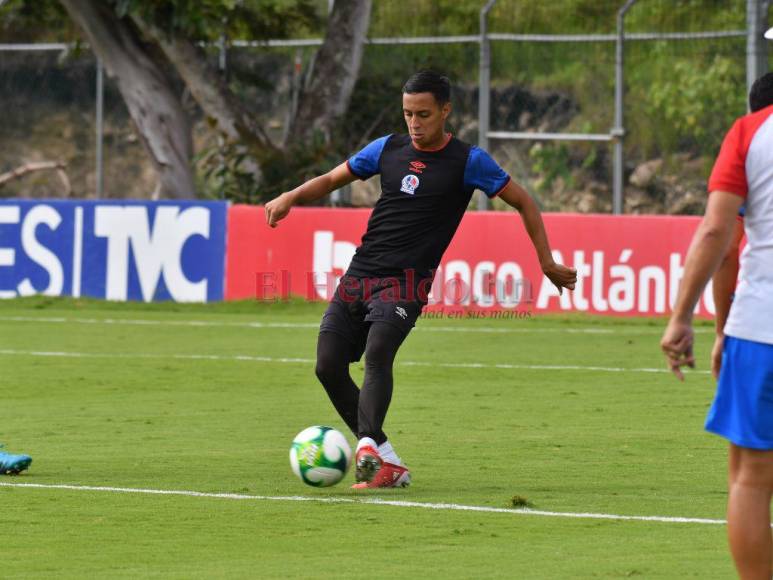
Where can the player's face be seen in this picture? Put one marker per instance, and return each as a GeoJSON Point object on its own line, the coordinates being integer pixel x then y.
{"type": "Point", "coordinates": [425, 119]}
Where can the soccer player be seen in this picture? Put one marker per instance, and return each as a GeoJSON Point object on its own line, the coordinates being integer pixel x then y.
{"type": "Point", "coordinates": [13, 464]}
{"type": "Point", "coordinates": [743, 407]}
{"type": "Point", "coordinates": [427, 180]}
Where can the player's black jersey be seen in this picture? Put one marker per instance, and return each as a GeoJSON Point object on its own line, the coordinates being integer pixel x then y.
{"type": "Point", "coordinates": [423, 198]}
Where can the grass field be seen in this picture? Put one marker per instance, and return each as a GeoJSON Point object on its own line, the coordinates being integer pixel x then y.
{"type": "Point", "coordinates": [204, 398]}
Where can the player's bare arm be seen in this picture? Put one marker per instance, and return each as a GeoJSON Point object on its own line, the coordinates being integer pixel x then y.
{"type": "Point", "coordinates": [312, 190]}
{"type": "Point", "coordinates": [723, 286]}
{"type": "Point", "coordinates": [517, 197]}
{"type": "Point", "coordinates": [706, 251]}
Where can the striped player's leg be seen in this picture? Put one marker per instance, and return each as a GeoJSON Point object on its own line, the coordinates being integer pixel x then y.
{"type": "Point", "coordinates": [742, 412]}
{"type": "Point", "coordinates": [748, 513]}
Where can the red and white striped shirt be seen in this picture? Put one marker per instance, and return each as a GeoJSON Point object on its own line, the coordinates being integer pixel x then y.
{"type": "Point", "coordinates": [745, 167]}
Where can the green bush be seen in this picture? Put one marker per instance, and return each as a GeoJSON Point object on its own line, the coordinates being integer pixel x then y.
{"type": "Point", "coordinates": [694, 107]}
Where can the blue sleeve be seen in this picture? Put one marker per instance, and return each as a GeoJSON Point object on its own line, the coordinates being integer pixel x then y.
{"type": "Point", "coordinates": [367, 162]}
{"type": "Point", "coordinates": [483, 173]}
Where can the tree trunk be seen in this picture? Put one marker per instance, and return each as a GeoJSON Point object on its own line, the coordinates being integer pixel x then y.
{"type": "Point", "coordinates": [207, 86]}
{"type": "Point", "coordinates": [147, 90]}
{"type": "Point", "coordinates": [211, 92]}
{"type": "Point", "coordinates": [327, 94]}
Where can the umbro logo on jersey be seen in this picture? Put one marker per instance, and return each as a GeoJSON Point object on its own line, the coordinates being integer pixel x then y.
{"type": "Point", "coordinates": [410, 183]}
{"type": "Point", "coordinates": [416, 166]}
{"type": "Point", "coordinates": [400, 311]}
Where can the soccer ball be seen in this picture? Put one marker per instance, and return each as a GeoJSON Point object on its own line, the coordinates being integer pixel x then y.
{"type": "Point", "coordinates": [320, 456]}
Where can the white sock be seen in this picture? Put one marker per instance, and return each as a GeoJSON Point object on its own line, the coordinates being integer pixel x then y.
{"type": "Point", "coordinates": [366, 441]}
{"type": "Point", "coordinates": [387, 453]}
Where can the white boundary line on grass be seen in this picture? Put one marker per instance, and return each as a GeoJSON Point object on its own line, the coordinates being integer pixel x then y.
{"type": "Point", "coordinates": [282, 360]}
{"type": "Point", "coordinates": [293, 325]}
{"type": "Point", "coordinates": [370, 501]}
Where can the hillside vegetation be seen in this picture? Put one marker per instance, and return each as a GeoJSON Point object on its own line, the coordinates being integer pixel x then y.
{"type": "Point", "coordinates": [681, 98]}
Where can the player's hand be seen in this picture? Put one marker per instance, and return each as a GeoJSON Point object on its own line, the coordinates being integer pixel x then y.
{"type": "Point", "coordinates": [278, 208]}
{"type": "Point", "coordinates": [677, 345]}
{"type": "Point", "coordinates": [716, 355]}
{"type": "Point", "coordinates": [561, 276]}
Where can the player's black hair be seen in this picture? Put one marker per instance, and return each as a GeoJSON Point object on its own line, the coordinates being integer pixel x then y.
{"type": "Point", "coordinates": [761, 95]}
{"type": "Point", "coordinates": [429, 81]}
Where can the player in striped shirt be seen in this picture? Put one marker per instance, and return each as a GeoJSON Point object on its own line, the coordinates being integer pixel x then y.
{"type": "Point", "coordinates": [743, 408]}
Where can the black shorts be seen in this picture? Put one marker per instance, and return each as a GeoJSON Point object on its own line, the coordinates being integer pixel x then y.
{"type": "Point", "coordinates": [358, 302]}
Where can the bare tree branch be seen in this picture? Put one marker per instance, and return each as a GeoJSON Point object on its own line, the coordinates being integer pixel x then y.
{"type": "Point", "coordinates": [23, 170]}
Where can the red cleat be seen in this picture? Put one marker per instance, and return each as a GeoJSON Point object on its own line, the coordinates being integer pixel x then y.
{"type": "Point", "coordinates": [368, 463]}
{"type": "Point", "coordinates": [390, 475]}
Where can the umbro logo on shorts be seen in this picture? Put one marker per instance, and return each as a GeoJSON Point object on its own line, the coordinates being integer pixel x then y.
{"type": "Point", "coordinates": [400, 311]}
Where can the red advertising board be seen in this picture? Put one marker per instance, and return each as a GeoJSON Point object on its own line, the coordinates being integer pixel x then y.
{"type": "Point", "coordinates": [627, 265]}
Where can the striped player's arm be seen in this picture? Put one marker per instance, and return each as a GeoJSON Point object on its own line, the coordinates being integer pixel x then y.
{"type": "Point", "coordinates": [725, 278]}
{"type": "Point", "coordinates": [706, 251]}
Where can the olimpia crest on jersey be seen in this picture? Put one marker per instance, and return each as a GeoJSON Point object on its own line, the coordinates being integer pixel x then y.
{"type": "Point", "coordinates": [410, 183]}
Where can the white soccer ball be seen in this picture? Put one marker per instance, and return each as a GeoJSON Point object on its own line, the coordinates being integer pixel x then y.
{"type": "Point", "coordinates": [320, 456]}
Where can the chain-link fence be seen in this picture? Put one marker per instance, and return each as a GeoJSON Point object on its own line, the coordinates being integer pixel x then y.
{"type": "Point", "coordinates": [47, 104]}
{"type": "Point", "coordinates": [595, 132]}
{"type": "Point", "coordinates": [552, 114]}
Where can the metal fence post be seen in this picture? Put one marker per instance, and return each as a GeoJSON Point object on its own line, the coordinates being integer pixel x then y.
{"type": "Point", "coordinates": [100, 129]}
{"type": "Point", "coordinates": [484, 89]}
{"type": "Point", "coordinates": [756, 46]}
{"type": "Point", "coordinates": [618, 131]}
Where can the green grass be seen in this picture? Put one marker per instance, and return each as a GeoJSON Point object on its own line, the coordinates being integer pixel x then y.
{"type": "Point", "coordinates": [628, 443]}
